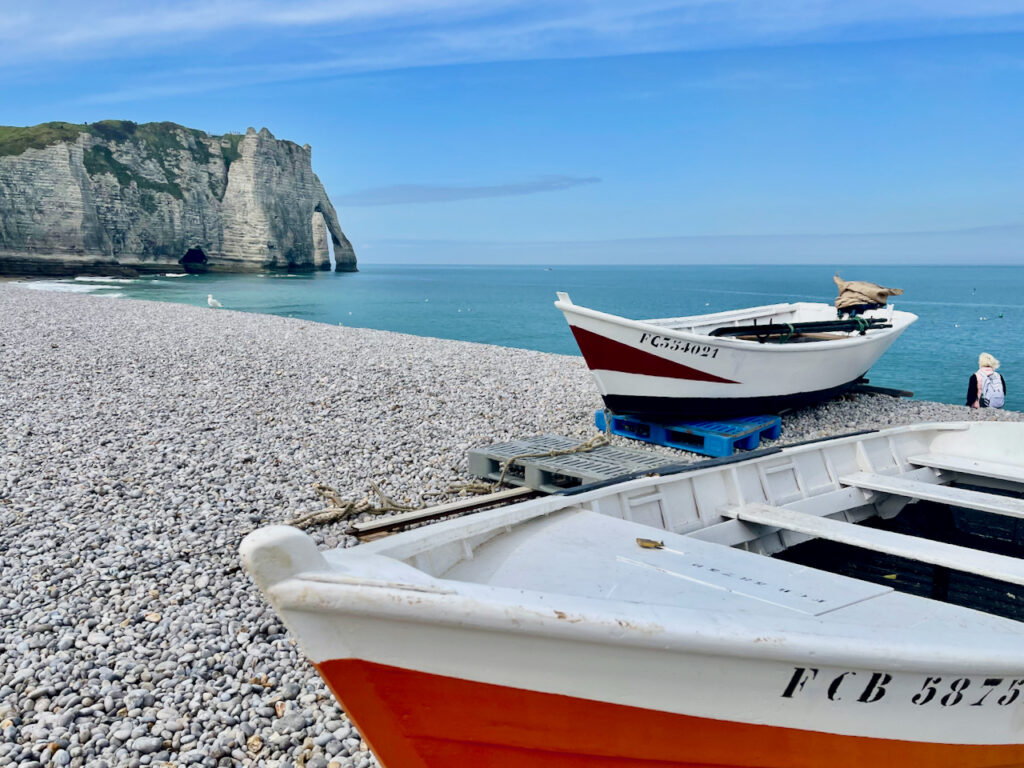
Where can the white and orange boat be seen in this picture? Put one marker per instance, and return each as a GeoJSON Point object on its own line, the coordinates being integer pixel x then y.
{"type": "Point", "coordinates": [708, 617]}
{"type": "Point", "coordinates": [741, 362]}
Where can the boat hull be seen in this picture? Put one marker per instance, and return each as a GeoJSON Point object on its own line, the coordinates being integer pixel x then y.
{"type": "Point", "coordinates": [418, 720]}
{"type": "Point", "coordinates": [636, 623]}
{"type": "Point", "coordinates": [666, 373]}
{"type": "Point", "coordinates": [486, 676]}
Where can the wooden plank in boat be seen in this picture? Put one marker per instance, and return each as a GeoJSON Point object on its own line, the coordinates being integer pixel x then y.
{"type": "Point", "coordinates": [1008, 569]}
{"type": "Point", "coordinates": [957, 497]}
{"type": "Point", "coordinates": [998, 471]}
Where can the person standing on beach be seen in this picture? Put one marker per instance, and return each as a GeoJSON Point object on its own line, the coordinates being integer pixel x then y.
{"type": "Point", "coordinates": [986, 388]}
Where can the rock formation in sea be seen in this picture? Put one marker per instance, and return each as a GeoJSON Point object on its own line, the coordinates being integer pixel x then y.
{"type": "Point", "coordinates": [115, 197]}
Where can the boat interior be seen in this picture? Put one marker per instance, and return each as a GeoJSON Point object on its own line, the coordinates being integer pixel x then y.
{"type": "Point", "coordinates": [933, 511]}
{"type": "Point", "coordinates": [826, 326]}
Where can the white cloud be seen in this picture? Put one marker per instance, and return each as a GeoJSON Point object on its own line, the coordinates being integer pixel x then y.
{"type": "Point", "coordinates": [310, 38]}
{"type": "Point", "coordinates": [403, 194]}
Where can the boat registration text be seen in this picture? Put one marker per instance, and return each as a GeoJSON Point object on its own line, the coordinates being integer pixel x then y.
{"type": "Point", "coordinates": [871, 687]}
{"type": "Point", "coordinates": [678, 345]}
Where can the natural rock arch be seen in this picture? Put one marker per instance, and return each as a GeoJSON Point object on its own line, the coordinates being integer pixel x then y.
{"type": "Point", "coordinates": [323, 226]}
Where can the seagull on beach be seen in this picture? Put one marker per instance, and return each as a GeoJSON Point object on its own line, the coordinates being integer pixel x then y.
{"type": "Point", "coordinates": [213, 302]}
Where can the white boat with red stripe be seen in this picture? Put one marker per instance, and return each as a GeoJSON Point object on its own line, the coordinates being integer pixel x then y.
{"type": "Point", "coordinates": [740, 362]}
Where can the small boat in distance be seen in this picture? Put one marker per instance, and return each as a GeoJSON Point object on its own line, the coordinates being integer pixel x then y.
{"type": "Point", "coordinates": [735, 363]}
{"type": "Point", "coordinates": [792, 610]}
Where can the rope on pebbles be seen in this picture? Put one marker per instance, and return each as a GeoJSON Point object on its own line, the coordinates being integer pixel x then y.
{"type": "Point", "coordinates": [342, 509]}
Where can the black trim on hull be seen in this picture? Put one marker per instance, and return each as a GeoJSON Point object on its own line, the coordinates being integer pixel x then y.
{"type": "Point", "coordinates": [667, 409]}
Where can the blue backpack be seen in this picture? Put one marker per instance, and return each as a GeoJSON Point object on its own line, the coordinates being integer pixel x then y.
{"type": "Point", "coordinates": [992, 395]}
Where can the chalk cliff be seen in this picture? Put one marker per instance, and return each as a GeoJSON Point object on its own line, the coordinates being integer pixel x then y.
{"type": "Point", "coordinates": [119, 198]}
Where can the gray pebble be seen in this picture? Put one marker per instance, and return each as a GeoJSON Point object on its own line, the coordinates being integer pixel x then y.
{"type": "Point", "coordinates": [290, 723]}
{"type": "Point", "coordinates": [147, 744]}
{"type": "Point", "coordinates": [290, 690]}
{"type": "Point", "coordinates": [97, 638]}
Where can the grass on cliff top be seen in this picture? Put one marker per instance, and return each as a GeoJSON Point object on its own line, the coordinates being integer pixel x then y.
{"type": "Point", "coordinates": [14, 139]}
{"type": "Point", "coordinates": [160, 138]}
{"type": "Point", "coordinates": [160, 141]}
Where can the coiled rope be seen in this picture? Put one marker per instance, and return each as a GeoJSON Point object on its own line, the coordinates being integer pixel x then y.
{"type": "Point", "coordinates": [342, 509]}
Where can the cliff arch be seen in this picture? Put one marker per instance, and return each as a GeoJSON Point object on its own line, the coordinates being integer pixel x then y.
{"type": "Point", "coordinates": [324, 226]}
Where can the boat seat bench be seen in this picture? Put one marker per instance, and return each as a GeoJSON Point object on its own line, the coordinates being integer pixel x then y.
{"type": "Point", "coordinates": [991, 469]}
{"type": "Point", "coordinates": [1008, 569]}
{"type": "Point", "coordinates": [916, 489]}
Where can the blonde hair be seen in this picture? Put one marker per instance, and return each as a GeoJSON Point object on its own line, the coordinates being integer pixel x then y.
{"type": "Point", "coordinates": [986, 360]}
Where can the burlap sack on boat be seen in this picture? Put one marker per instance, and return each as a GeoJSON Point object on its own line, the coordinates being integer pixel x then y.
{"type": "Point", "coordinates": [856, 293]}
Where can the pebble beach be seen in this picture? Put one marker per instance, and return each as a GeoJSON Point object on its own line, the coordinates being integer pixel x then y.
{"type": "Point", "coordinates": [139, 443]}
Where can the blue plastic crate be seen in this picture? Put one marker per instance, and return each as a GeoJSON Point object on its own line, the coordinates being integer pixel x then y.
{"type": "Point", "coordinates": [711, 438]}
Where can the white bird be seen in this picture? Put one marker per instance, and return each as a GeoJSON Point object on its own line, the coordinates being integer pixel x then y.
{"type": "Point", "coordinates": [212, 301]}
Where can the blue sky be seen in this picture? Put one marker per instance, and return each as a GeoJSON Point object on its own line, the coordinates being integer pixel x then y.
{"type": "Point", "coordinates": [691, 131]}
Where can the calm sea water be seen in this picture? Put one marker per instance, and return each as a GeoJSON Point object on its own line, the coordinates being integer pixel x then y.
{"type": "Point", "coordinates": [962, 310]}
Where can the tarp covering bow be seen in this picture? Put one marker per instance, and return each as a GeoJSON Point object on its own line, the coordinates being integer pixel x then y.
{"type": "Point", "coordinates": [857, 295]}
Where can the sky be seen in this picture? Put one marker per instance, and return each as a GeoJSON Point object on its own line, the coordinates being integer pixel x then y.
{"type": "Point", "coordinates": [654, 131]}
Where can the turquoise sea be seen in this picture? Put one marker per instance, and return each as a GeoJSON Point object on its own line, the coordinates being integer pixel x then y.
{"type": "Point", "coordinates": [962, 310]}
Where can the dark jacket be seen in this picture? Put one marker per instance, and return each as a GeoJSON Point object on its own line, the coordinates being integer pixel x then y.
{"type": "Point", "coordinates": [972, 388]}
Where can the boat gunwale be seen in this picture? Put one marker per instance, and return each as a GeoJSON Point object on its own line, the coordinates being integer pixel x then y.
{"type": "Point", "coordinates": [792, 639]}
{"type": "Point", "coordinates": [515, 514]}
{"type": "Point", "coordinates": [731, 314]}
{"type": "Point", "coordinates": [878, 334]}
{"type": "Point", "coordinates": [319, 591]}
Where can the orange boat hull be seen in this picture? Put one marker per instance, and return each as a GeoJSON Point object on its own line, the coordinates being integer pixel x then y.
{"type": "Point", "coordinates": [413, 719]}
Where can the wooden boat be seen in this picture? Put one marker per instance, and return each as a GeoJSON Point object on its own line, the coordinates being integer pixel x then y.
{"type": "Point", "coordinates": [741, 362]}
{"type": "Point", "coordinates": [673, 620]}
